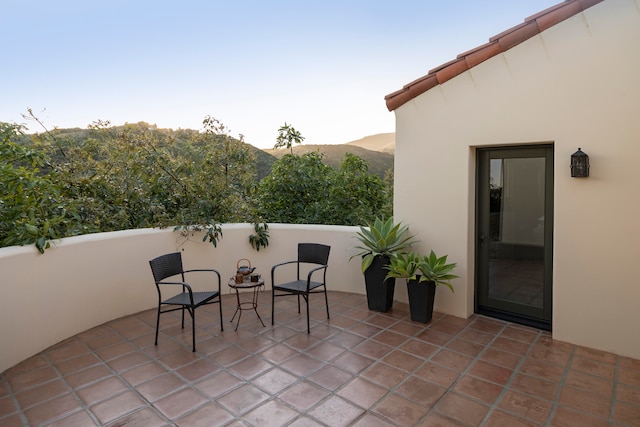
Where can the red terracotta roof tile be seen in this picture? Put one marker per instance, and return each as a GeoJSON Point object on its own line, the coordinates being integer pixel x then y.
{"type": "Point", "coordinates": [451, 69]}
{"type": "Point", "coordinates": [481, 53]}
{"type": "Point", "coordinates": [546, 19]}
{"type": "Point", "coordinates": [516, 35]}
{"type": "Point", "coordinates": [586, 4]}
{"type": "Point", "coordinates": [424, 83]}
{"type": "Point", "coordinates": [531, 26]}
{"type": "Point", "coordinates": [411, 90]}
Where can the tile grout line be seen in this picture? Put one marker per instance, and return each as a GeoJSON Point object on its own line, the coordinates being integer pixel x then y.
{"type": "Point", "coordinates": [565, 373]}
{"type": "Point", "coordinates": [460, 342]}
{"type": "Point", "coordinates": [356, 375]}
{"type": "Point", "coordinates": [392, 390]}
{"type": "Point", "coordinates": [147, 403]}
{"type": "Point", "coordinates": [614, 392]}
{"type": "Point", "coordinates": [304, 378]}
{"type": "Point", "coordinates": [464, 372]}
{"type": "Point", "coordinates": [74, 393]}
{"type": "Point", "coordinates": [507, 386]}
{"type": "Point", "coordinates": [12, 394]}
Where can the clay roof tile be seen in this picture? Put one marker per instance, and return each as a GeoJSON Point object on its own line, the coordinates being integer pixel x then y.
{"type": "Point", "coordinates": [502, 42]}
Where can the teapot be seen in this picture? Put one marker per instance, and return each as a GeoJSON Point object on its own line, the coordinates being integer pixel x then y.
{"type": "Point", "coordinates": [244, 270]}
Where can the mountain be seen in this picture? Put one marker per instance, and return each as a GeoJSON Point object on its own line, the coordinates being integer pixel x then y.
{"type": "Point", "coordinates": [379, 161]}
{"type": "Point", "coordinates": [382, 142]}
{"type": "Point", "coordinates": [377, 150]}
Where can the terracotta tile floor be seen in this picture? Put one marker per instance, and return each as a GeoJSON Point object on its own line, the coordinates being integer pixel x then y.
{"type": "Point", "coordinates": [361, 368]}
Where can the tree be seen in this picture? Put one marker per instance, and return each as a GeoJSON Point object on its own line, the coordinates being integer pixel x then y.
{"type": "Point", "coordinates": [287, 136]}
{"type": "Point", "coordinates": [302, 189]}
{"type": "Point", "coordinates": [296, 190]}
{"type": "Point", "coordinates": [62, 183]}
{"type": "Point", "coordinates": [356, 196]}
{"type": "Point", "coordinates": [224, 175]}
{"type": "Point", "coordinates": [33, 208]}
{"type": "Point", "coordinates": [128, 177]}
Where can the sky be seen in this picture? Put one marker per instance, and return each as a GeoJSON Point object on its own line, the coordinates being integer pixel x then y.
{"type": "Point", "coordinates": [321, 66]}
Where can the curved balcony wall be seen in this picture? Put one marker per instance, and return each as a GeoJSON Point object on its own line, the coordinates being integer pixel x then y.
{"type": "Point", "coordinates": [88, 280]}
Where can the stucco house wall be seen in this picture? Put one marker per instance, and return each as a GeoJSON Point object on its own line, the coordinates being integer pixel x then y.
{"type": "Point", "coordinates": [575, 84]}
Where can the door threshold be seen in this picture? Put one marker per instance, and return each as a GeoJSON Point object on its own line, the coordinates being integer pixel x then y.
{"type": "Point", "coordinates": [521, 320]}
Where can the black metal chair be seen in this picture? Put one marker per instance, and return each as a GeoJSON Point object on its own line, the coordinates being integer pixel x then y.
{"type": "Point", "coordinates": [170, 265]}
{"type": "Point", "coordinates": [310, 254]}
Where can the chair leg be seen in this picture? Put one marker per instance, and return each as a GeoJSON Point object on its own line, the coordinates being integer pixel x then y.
{"type": "Point", "coordinates": [220, 306]}
{"type": "Point", "coordinates": [326, 300]}
{"type": "Point", "coordinates": [157, 324]}
{"type": "Point", "coordinates": [183, 317]}
{"type": "Point", "coordinates": [273, 301]}
{"type": "Point", "coordinates": [306, 298]}
{"type": "Point", "coordinates": [298, 303]}
{"type": "Point", "coordinates": [192, 312]}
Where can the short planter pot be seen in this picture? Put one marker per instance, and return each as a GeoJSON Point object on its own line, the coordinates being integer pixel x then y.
{"type": "Point", "coordinates": [421, 298]}
{"type": "Point", "coordinates": [379, 290]}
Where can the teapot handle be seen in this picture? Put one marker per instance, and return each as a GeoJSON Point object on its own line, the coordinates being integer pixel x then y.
{"type": "Point", "coordinates": [243, 259]}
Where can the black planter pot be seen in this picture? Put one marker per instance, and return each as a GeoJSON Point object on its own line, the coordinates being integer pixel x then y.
{"type": "Point", "coordinates": [421, 297]}
{"type": "Point", "coordinates": [379, 291]}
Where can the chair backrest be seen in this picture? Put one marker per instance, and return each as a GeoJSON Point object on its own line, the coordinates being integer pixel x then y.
{"type": "Point", "coordinates": [314, 253]}
{"type": "Point", "coordinates": [166, 266]}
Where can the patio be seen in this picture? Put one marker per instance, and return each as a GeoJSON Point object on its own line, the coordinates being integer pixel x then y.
{"type": "Point", "coordinates": [361, 368]}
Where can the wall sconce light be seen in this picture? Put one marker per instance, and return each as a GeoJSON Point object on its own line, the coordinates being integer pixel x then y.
{"type": "Point", "coordinates": [579, 164]}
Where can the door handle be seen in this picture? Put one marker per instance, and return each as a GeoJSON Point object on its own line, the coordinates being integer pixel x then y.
{"type": "Point", "coordinates": [482, 238]}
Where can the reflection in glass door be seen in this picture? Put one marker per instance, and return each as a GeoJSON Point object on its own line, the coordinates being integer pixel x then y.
{"type": "Point", "coordinates": [514, 230]}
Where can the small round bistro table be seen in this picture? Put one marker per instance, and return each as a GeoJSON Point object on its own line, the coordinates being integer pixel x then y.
{"type": "Point", "coordinates": [246, 305]}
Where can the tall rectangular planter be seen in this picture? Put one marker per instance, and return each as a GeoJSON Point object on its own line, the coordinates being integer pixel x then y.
{"type": "Point", "coordinates": [421, 298]}
{"type": "Point", "coordinates": [379, 290]}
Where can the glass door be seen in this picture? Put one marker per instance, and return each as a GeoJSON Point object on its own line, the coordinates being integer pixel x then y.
{"type": "Point", "coordinates": [514, 232]}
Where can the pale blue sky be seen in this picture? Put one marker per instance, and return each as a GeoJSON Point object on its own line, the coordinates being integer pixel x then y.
{"type": "Point", "coordinates": [322, 66]}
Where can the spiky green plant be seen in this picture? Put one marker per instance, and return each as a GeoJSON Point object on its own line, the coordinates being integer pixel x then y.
{"type": "Point", "coordinates": [405, 266]}
{"type": "Point", "coordinates": [382, 238]}
{"type": "Point", "coordinates": [435, 269]}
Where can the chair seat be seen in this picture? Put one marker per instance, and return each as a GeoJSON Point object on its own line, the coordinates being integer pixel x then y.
{"type": "Point", "coordinates": [198, 298]}
{"type": "Point", "coordinates": [297, 286]}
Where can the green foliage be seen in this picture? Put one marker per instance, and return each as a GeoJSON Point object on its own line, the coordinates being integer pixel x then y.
{"type": "Point", "coordinates": [261, 236]}
{"type": "Point", "coordinates": [405, 266]}
{"type": "Point", "coordinates": [382, 238]}
{"type": "Point", "coordinates": [356, 196]}
{"type": "Point", "coordinates": [212, 233]}
{"type": "Point", "coordinates": [136, 176]}
{"type": "Point", "coordinates": [431, 268]}
{"type": "Point", "coordinates": [287, 136]}
{"type": "Point", "coordinates": [304, 190]}
{"type": "Point", "coordinates": [296, 190]}
{"type": "Point", "coordinates": [127, 177]}
{"type": "Point", "coordinates": [435, 269]}
{"type": "Point", "coordinates": [33, 208]}
{"type": "Point", "coordinates": [67, 182]}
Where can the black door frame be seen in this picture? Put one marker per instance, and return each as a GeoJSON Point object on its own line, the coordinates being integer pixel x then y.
{"type": "Point", "coordinates": [540, 318]}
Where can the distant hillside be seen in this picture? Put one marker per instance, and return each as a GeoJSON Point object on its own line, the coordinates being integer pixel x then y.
{"type": "Point", "coordinates": [382, 142]}
{"type": "Point", "coordinates": [264, 161]}
{"type": "Point", "coordinates": [376, 150]}
{"type": "Point", "coordinates": [379, 162]}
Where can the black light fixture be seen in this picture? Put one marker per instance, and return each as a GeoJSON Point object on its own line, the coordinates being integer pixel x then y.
{"type": "Point", "coordinates": [579, 164]}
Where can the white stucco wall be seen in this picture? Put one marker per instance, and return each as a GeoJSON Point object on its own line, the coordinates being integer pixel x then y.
{"type": "Point", "coordinates": [88, 280]}
{"type": "Point", "coordinates": [575, 85]}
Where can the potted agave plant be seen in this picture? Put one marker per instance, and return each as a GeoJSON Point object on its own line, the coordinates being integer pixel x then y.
{"type": "Point", "coordinates": [423, 274]}
{"type": "Point", "coordinates": [381, 241]}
